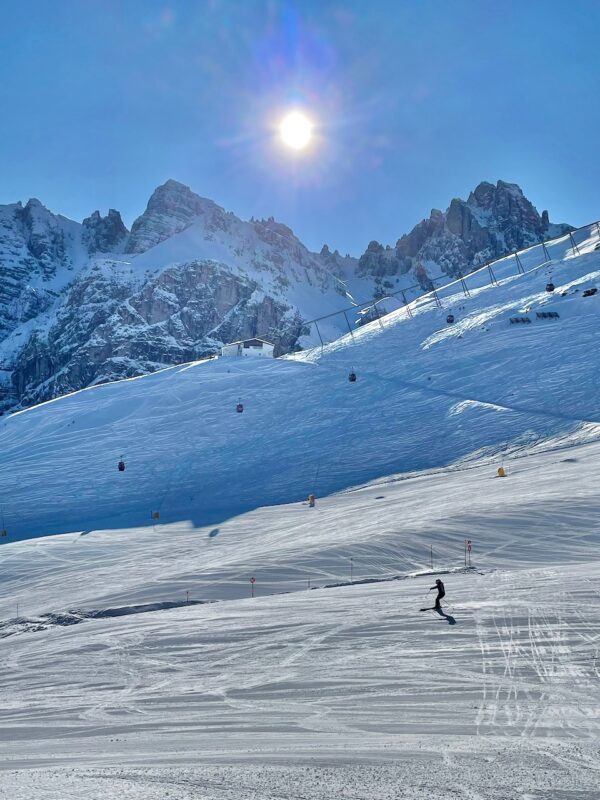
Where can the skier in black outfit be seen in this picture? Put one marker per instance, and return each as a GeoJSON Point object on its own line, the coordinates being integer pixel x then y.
{"type": "Point", "coordinates": [440, 592]}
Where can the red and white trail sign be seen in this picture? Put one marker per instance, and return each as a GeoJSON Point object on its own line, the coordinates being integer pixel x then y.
{"type": "Point", "coordinates": [253, 579]}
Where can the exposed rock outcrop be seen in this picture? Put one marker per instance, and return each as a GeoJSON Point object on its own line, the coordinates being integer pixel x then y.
{"type": "Point", "coordinates": [171, 209]}
{"type": "Point", "coordinates": [494, 221]}
{"type": "Point", "coordinates": [104, 234]}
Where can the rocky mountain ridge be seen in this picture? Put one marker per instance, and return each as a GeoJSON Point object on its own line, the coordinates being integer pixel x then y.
{"type": "Point", "coordinates": [82, 303]}
{"type": "Point", "coordinates": [493, 221]}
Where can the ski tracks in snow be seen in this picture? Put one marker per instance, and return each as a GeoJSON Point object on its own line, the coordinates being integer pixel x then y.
{"type": "Point", "coordinates": [536, 681]}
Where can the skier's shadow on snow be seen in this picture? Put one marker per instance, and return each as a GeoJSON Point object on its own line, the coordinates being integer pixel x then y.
{"type": "Point", "coordinates": [448, 617]}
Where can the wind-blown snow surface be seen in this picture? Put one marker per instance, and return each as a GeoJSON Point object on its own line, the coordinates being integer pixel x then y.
{"type": "Point", "coordinates": [428, 394]}
{"type": "Point", "coordinates": [338, 692]}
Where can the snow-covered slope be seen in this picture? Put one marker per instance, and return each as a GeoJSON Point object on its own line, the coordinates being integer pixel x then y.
{"type": "Point", "coordinates": [386, 527]}
{"type": "Point", "coordinates": [120, 680]}
{"type": "Point", "coordinates": [115, 686]}
{"type": "Point", "coordinates": [428, 394]}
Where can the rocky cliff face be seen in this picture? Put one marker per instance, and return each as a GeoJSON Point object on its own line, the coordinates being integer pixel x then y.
{"type": "Point", "coordinates": [92, 302]}
{"type": "Point", "coordinates": [494, 221]}
{"type": "Point", "coordinates": [38, 250]}
{"type": "Point", "coordinates": [104, 234]}
{"type": "Point", "coordinates": [109, 329]}
{"type": "Point", "coordinates": [172, 208]}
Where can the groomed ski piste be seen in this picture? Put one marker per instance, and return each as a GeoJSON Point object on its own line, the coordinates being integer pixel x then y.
{"type": "Point", "coordinates": [136, 663]}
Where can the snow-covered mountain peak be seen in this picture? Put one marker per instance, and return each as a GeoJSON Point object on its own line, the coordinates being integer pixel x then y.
{"type": "Point", "coordinates": [485, 193]}
{"type": "Point", "coordinates": [34, 213]}
{"type": "Point", "coordinates": [35, 240]}
{"type": "Point", "coordinates": [504, 204]}
{"type": "Point", "coordinates": [514, 188]}
{"type": "Point", "coordinates": [170, 210]}
{"type": "Point", "coordinates": [33, 201]}
{"type": "Point", "coordinates": [178, 199]}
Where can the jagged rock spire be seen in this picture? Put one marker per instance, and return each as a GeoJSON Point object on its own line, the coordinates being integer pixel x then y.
{"type": "Point", "coordinates": [495, 220]}
{"type": "Point", "coordinates": [104, 234]}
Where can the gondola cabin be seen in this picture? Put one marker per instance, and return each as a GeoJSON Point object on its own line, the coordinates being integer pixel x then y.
{"type": "Point", "coordinates": [352, 377]}
{"type": "Point", "coordinates": [239, 408]}
{"type": "Point", "coordinates": [121, 466]}
{"type": "Point", "coordinates": [550, 286]}
{"type": "Point", "coordinates": [450, 319]}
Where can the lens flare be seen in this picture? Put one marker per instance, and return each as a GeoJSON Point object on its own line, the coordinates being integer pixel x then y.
{"type": "Point", "coordinates": [296, 130]}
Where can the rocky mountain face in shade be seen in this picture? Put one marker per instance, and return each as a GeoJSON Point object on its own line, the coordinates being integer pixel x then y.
{"type": "Point", "coordinates": [36, 247]}
{"type": "Point", "coordinates": [104, 234]}
{"type": "Point", "coordinates": [83, 303]}
{"type": "Point", "coordinates": [108, 329]}
{"type": "Point", "coordinates": [493, 221]}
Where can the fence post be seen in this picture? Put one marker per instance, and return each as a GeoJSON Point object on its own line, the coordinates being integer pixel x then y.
{"type": "Point", "coordinates": [573, 243]}
{"type": "Point", "coordinates": [406, 306]}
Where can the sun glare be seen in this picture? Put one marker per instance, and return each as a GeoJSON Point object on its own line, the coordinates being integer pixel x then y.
{"type": "Point", "coordinates": [296, 130]}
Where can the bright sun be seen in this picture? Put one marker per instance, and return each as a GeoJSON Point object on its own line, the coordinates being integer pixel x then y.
{"type": "Point", "coordinates": [296, 130]}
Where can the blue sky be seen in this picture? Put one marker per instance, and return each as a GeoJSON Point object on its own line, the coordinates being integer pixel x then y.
{"type": "Point", "coordinates": [414, 102]}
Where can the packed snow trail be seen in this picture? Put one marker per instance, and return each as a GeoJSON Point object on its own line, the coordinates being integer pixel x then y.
{"type": "Point", "coordinates": [345, 691]}
{"type": "Point", "coordinates": [428, 394]}
{"type": "Point", "coordinates": [386, 528]}
{"type": "Point", "coordinates": [501, 704]}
